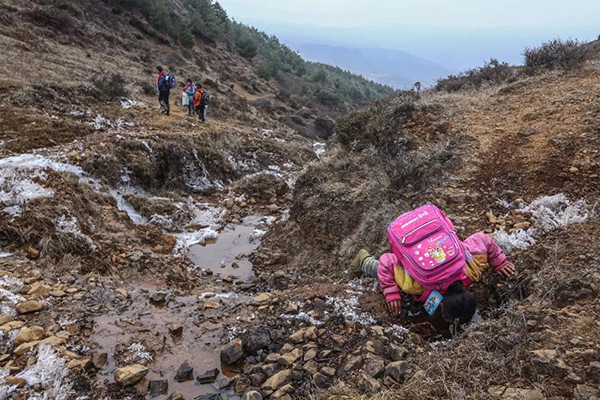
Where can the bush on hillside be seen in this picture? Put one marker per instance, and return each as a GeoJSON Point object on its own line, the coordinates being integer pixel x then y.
{"type": "Point", "coordinates": [492, 73]}
{"type": "Point", "coordinates": [111, 87]}
{"type": "Point", "coordinates": [264, 71]}
{"type": "Point", "coordinates": [556, 54]}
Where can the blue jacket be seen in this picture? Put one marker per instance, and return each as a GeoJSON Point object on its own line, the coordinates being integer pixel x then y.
{"type": "Point", "coordinates": [190, 90]}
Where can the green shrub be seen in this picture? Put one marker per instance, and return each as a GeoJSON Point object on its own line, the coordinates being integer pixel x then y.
{"type": "Point", "coordinates": [556, 54]}
{"type": "Point", "coordinates": [185, 36]}
{"type": "Point", "coordinates": [264, 71]}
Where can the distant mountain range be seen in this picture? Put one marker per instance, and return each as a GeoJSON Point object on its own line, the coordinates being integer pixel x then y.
{"type": "Point", "coordinates": [395, 68]}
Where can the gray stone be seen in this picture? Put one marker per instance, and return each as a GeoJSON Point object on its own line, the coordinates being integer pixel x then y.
{"type": "Point", "coordinates": [232, 352]}
{"type": "Point", "coordinates": [208, 376]}
{"type": "Point", "coordinates": [321, 381]}
{"type": "Point", "coordinates": [279, 379]}
{"type": "Point", "coordinates": [374, 368]}
{"type": "Point", "coordinates": [184, 373]}
{"type": "Point", "coordinates": [158, 387]}
{"type": "Point", "coordinates": [368, 384]}
{"type": "Point", "coordinates": [352, 363]}
{"type": "Point", "coordinates": [397, 370]}
{"type": "Point", "coordinates": [508, 393]}
{"type": "Point", "coordinates": [130, 375]}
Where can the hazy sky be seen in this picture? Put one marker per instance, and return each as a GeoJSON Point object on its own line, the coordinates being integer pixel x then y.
{"type": "Point", "coordinates": [456, 13]}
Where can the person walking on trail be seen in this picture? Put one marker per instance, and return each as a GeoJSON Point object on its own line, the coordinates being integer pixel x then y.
{"type": "Point", "coordinates": [429, 262]}
{"type": "Point", "coordinates": [189, 91]}
{"type": "Point", "coordinates": [201, 102]}
{"type": "Point", "coordinates": [163, 88]}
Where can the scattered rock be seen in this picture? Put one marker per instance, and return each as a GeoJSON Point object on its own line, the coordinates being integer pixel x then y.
{"type": "Point", "coordinates": [522, 225]}
{"type": "Point", "coordinates": [4, 318]}
{"type": "Point", "coordinates": [397, 370]}
{"type": "Point", "coordinates": [130, 375]}
{"type": "Point", "coordinates": [529, 130]}
{"type": "Point", "coordinates": [321, 381]}
{"type": "Point", "coordinates": [57, 293]}
{"type": "Point", "coordinates": [54, 341]}
{"type": "Point", "coordinates": [25, 347]}
{"type": "Point", "coordinates": [329, 371]}
{"type": "Point", "coordinates": [158, 387]}
{"type": "Point", "coordinates": [232, 352]}
{"type": "Point", "coordinates": [368, 385]}
{"type": "Point", "coordinates": [184, 373]}
{"type": "Point", "coordinates": [31, 334]}
{"type": "Point", "coordinates": [158, 298]}
{"type": "Point", "coordinates": [311, 367]}
{"type": "Point", "coordinates": [288, 359]}
{"type": "Point", "coordinates": [270, 369]}
{"type": "Point", "coordinates": [546, 361]}
{"type": "Point", "coordinates": [176, 329]}
{"type": "Point", "coordinates": [263, 298]}
{"type": "Point", "coordinates": [125, 294]}
{"type": "Point", "coordinates": [276, 381]}
{"type": "Point", "coordinates": [374, 367]}
{"type": "Point", "coordinates": [586, 392]}
{"type": "Point", "coordinates": [506, 393]}
{"type": "Point", "coordinates": [13, 380]}
{"type": "Point", "coordinates": [30, 306]}
{"type": "Point", "coordinates": [292, 309]}
{"type": "Point", "coordinates": [176, 396]}
{"type": "Point", "coordinates": [310, 354]}
{"type": "Point", "coordinates": [352, 363]}
{"type": "Point", "coordinates": [99, 360]}
{"type": "Point", "coordinates": [252, 395]}
{"type": "Point", "coordinates": [208, 376]}
{"type": "Point", "coordinates": [257, 340]}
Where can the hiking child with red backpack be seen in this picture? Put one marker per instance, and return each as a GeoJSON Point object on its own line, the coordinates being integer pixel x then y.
{"type": "Point", "coordinates": [429, 262]}
{"type": "Point", "coordinates": [164, 84]}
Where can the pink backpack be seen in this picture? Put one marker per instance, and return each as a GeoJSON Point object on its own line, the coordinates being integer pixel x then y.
{"type": "Point", "coordinates": [427, 246]}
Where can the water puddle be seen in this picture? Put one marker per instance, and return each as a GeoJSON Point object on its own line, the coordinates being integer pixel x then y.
{"type": "Point", "coordinates": [227, 255]}
{"type": "Point", "coordinates": [140, 333]}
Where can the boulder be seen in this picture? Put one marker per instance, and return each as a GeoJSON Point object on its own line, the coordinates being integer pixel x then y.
{"type": "Point", "coordinates": [368, 384]}
{"type": "Point", "coordinates": [288, 359]}
{"type": "Point", "coordinates": [232, 352]}
{"type": "Point", "coordinates": [99, 360]}
{"type": "Point", "coordinates": [547, 362]}
{"type": "Point", "coordinates": [259, 339]}
{"type": "Point", "coordinates": [374, 368]}
{"type": "Point", "coordinates": [4, 318]}
{"type": "Point", "coordinates": [130, 375]}
{"type": "Point", "coordinates": [321, 381]}
{"type": "Point", "coordinates": [30, 306]}
{"type": "Point", "coordinates": [13, 380]}
{"type": "Point", "coordinates": [208, 376]}
{"type": "Point", "coordinates": [176, 396]}
{"type": "Point", "coordinates": [31, 334]}
{"type": "Point", "coordinates": [9, 326]}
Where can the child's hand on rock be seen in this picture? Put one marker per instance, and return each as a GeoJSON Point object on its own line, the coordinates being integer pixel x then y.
{"type": "Point", "coordinates": [395, 307]}
{"type": "Point", "coordinates": [507, 270]}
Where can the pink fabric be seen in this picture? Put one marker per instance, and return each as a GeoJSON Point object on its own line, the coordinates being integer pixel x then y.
{"type": "Point", "coordinates": [385, 272]}
{"type": "Point", "coordinates": [479, 243]}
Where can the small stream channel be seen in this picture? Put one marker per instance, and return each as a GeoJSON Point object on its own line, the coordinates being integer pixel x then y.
{"type": "Point", "coordinates": [144, 323]}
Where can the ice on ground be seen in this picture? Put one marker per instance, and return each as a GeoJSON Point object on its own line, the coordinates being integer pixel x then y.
{"type": "Point", "coordinates": [229, 295]}
{"type": "Point", "coordinates": [68, 225]}
{"type": "Point", "coordinates": [187, 239]}
{"type": "Point", "coordinates": [9, 289]}
{"type": "Point", "coordinates": [139, 354]}
{"type": "Point", "coordinates": [48, 374]}
{"type": "Point", "coordinates": [129, 103]}
{"type": "Point", "coordinates": [319, 149]}
{"type": "Point", "coordinates": [303, 316]}
{"type": "Point", "coordinates": [547, 214]}
{"type": "Point", "coordinates": [5, 255]}
{"type": "Point", "coordinates": [20, 179]}
{"type": "Point", "coordinates": [349, 307]}
{"type": "Point", "coordinates": [123, 205]}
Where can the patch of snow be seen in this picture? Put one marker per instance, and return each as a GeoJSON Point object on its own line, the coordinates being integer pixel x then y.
{"type": "Point", "coordinates": [319, 149]}
{"type": "Point", "coordinates": [258, 233]}
{"type": "Point", "coordinates": [230, 295]}
{"type": "Point", "coordinates": [274, 168]}
{"type": "Point", "coordinates": [397, 330]}
{"type": "Point", "coordinates": [5, 255]}
{"type": "Point", "coordinates": [129, 103]}
{"type": "Point", "coordinates": [48, 374]}
{"type": "Point", "coordinates": [266, 132]}
{"type": "Point", "coordinates": [68, 225]}
{"type": "Point", "coordinates": [303, 316]}
{"type": "Point", "coordinates": [123, 205]}
{"type": "Point", "coordinates": [547, 214]}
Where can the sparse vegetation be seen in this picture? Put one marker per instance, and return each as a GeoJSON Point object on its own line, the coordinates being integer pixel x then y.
{"type": "Point", "coordinates": [492, 73]}
{"type": "Point", "coordinates": [111, 87]}
{"type": "Point", "coordinates": [556, 54]}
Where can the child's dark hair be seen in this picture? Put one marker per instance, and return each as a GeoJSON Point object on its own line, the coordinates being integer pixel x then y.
{"type": "Point", "coordinates": [199, 85]}
{"type": "Point", "coordinates": [189, 80]}
{"type": "Point", "coordinates": [458, 305]}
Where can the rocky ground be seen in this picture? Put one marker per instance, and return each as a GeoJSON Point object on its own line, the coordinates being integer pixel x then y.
{"type": "Point", "coordinates": [150, 256]}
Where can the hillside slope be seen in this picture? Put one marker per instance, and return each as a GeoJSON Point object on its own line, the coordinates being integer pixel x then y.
{"type": "Point", "coordinates": [151, 256]}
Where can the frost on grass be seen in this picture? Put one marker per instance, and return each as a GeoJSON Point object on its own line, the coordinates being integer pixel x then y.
{"type": "Point", "coordinates": [47, 375]}
{"type": "Point", "coordinates": [547, 214]}
{"type": "Point", "coordinates": [319, 149]}
{"type": "Point", "coordinates": [138, 354]}
{"type": "Point", "coordinates": [65, 224]}
{"type": "Point", "coordinates": [9, 287]}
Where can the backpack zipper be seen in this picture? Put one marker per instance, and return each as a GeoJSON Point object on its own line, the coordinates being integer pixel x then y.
{"type": "Point", "coordinates": [416, 229]}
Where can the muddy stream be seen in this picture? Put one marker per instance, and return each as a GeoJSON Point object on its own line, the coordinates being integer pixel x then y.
{"type": "Point", "coordinates": [144, 331]}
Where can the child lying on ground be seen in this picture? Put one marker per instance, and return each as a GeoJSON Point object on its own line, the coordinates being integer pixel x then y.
{"type": "Point", "coordinates": [428, 260]}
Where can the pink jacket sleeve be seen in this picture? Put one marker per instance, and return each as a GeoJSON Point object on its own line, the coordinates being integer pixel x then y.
{"type": "Point", "coordinates": [480, 243]}
{"type": "Point", "coordinates": [385, 272]}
